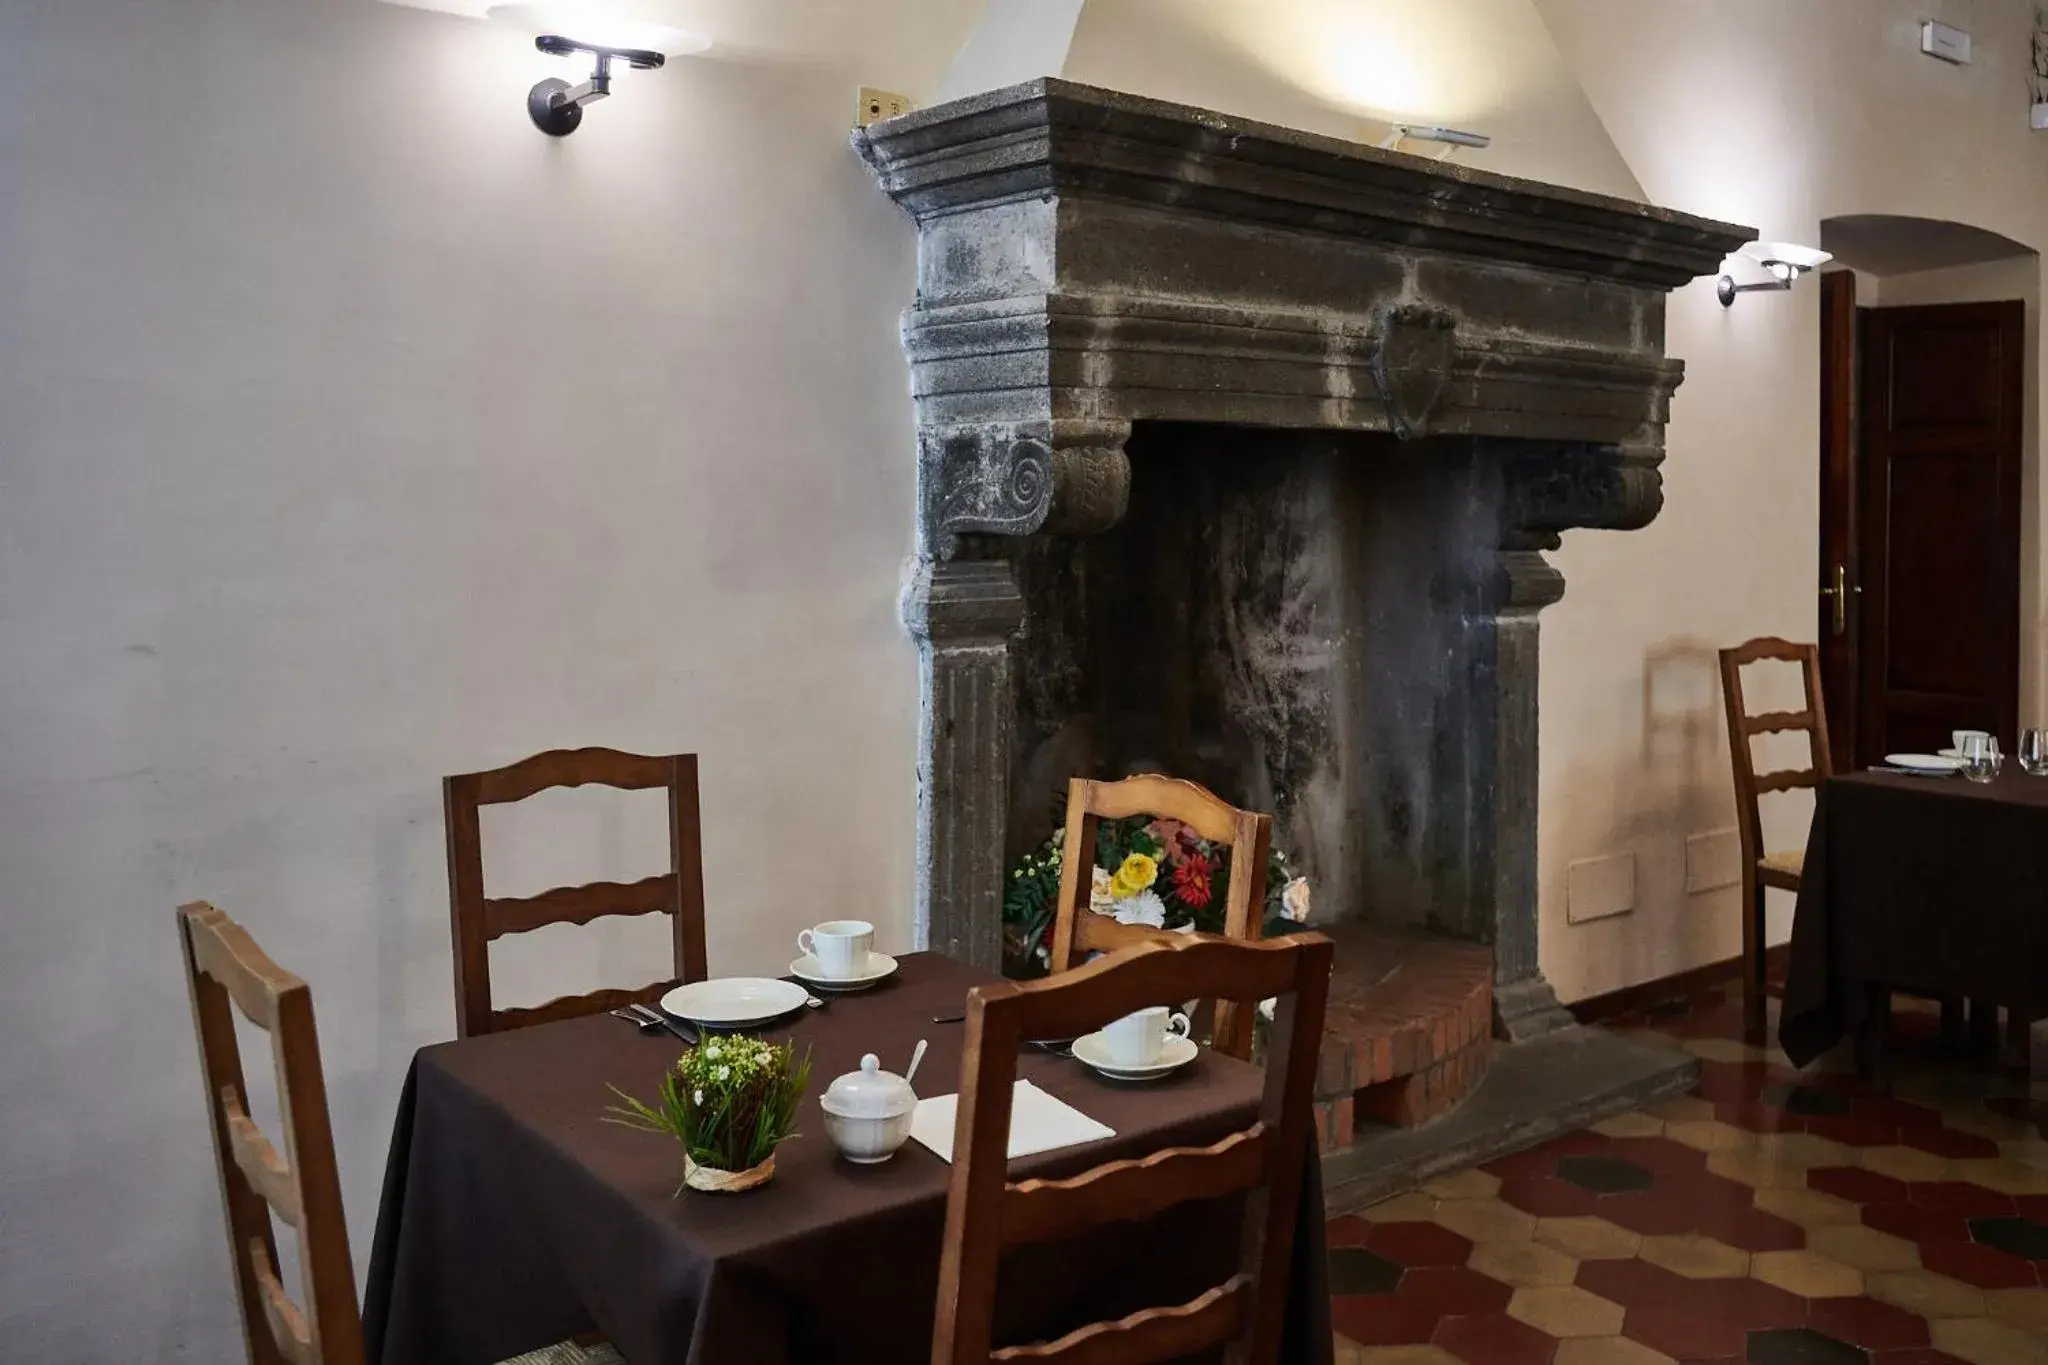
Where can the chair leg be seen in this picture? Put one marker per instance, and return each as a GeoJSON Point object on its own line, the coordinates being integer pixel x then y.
{"type": "Point", "coordinates": [1754, 1025]}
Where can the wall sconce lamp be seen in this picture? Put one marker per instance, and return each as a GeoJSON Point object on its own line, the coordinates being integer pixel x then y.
{"type": "Point", "coordinates": [1450, 138]}
{"type": "Point", "coordinates": [556, 106]}
{"type": "Point", "coordinates": [1786, 262]}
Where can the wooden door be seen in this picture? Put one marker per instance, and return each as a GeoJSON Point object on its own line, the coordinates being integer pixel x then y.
{"type": "Point", "coordinates": [1938, 525]}
{"type": "Point", "coordinates": [1840, 574]}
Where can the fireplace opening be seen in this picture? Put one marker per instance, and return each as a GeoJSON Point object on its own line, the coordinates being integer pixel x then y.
{"type": "Point", "coordinates": [1301, 621]}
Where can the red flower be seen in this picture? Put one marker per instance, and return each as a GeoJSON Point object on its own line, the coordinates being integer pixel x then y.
{"type": "Point", "coordinates": [1191, 881]}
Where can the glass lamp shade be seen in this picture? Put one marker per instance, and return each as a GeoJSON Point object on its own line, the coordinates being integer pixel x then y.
{"type": "Point", "coordinates": [604, 23]}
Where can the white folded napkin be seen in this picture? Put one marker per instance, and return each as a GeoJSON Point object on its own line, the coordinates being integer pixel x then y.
{"type": "Point", "coordinates": [1038, 1123]}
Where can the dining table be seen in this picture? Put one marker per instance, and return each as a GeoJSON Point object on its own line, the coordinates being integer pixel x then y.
{"type": "Point", "coordinates": [1936, 885]}
{"type": "Point", "coordinates": [517, 1212]}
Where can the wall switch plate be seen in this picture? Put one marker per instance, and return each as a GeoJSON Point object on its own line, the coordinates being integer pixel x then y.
{"type": "Point", "coordinates": [876, 105]}
{"type": "Point", "coordinates": [1599, 888]}
{"type": "Point", "coordinates": [1945, 41]}
{"type": "Point", "coordinates": [2040, 117]}
{"type": "Point", "coordinates": [1713, 860]}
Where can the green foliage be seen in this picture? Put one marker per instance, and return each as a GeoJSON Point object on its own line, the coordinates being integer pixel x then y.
{"type": "Point", "coordinates": [729, 1101]}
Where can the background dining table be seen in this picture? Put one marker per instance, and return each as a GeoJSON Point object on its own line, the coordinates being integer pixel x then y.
{"type": "Point", "coordinates": [1935, 885]}
{"type": "Point", "coordinates": [514, 1214]}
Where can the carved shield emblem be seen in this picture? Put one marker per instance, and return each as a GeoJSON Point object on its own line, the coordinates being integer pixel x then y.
{"type": "Point", "coordinates": [1411, 364]}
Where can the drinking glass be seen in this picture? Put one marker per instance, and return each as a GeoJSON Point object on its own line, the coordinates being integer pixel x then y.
{"type": "Point", "coordinates": [2034, 752]}
{"type": "Point", "coordinates": [1981, 759]}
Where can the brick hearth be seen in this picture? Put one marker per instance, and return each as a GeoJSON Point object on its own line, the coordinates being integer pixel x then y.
{"type": "Point", "coordinates": [1409, 1029]}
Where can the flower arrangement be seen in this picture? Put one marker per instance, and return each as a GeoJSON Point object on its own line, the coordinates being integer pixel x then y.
{"type": "Point", "coordinates": [1148, 870]}
{"type": "Point", "coordinates": [729, 1101]}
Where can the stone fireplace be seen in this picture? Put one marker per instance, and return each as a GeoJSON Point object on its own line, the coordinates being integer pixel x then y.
{"type": "Point", "coordinates": [1239, 450]}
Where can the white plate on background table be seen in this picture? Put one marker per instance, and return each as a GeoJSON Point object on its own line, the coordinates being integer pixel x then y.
{"type": "Point", "coordinates": [1934, 765]}
{"type": "Point", "coordinates": [811, 972]}
{"type": "Point", "coordinates": [735, 1001]}
{"type": "Point", "coordinates": [1092, 1049]}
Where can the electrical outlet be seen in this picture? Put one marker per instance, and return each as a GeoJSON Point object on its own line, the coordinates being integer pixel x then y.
{"type": "Point", "coordinates": [2040, 117]}
{"type": "Point", "coordinates": [1712, 861]}
{"type": "Point", "coordinates": [1599, 888]}
{"type": "Point", "coordinates": [876, 105]}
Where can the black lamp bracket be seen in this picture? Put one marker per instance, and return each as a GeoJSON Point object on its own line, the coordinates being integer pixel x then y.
{"type": "Point", "coordinates": [556, 106]}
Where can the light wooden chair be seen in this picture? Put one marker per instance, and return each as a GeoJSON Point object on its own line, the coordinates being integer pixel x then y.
{"type": "Point", "coordinates": [986, 1212]}
{"type": "Point", "coordinates": [1079, 931]}
{"type": "Point", "coordinates": [1761, 868]}
{"type": "Point", "coordinates": [476, 919]}
{"type": "Point", "coordinates": [300, 1184]}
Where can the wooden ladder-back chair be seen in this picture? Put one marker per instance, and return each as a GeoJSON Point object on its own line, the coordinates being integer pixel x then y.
{"type": "Point", "coordinates": [476, 919]}
{"type": "Point", "coordinates": [1079, 931]}
{"type": "Point", "coordinates": [300, 1185]}
{"type": "Point", "coordinates": [986, 1212]}
{"type": "Point", "coordinates": [1762, 868]}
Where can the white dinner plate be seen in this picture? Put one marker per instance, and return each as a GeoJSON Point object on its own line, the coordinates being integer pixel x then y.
{"type": "Point", "coordinates": [811, 972]}
{"type": "Point", "coordinates": [1093, 1050]}
{"type": "Point", "coordinates": [1924, 763]}
{"type": "Point", "coordinates": [734, 1001]}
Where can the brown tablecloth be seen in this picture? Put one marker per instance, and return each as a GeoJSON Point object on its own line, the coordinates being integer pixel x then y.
{"type": "Point", "coordinates": [1934, 885]}
{"type": "Point", "coordinates": [513, 1215]}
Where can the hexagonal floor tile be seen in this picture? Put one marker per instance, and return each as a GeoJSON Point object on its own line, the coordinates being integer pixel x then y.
{"type": "Point", "coordinates": [1868, 1323]}
{"type": "Point", "coordinates": [1485, 1220]}
{"type": "Point", "coordinates": [1801, 1346]}
{"type": "Point", "coordinates": [1588, 1239]}
{"type": "Point", "coordinates": [2026, 1309]}
{"type": "Point", "coordinates": [1349, 1352]}
{"type": "Point", "coordinates": [1472, 1184]}
{"type": "Point", "coordinates": [1495, 1339]}
{"type": "Point", "coordinates": [1524, 1265]}
{"type": "Point", "coordinates": [2004, 1176]}
{"type": "Point", "coordinates": [1709, 1135]}
{"type": "Point", "coordinates": [1982, 1341]}
{"type": "Point", "coordinates": [1809, 1208]}
{"type": "Point", "coordinates": [2022, 1237]}
{"type": "Point", "coordinates": [1453, 1291]}
{"type": "Point", "coordinates": [1604, 1174]}
{"type": "Point", "coordinates": [1695, 1257]}
{"type": "Point", "coordinates": [1638, 1124]}
{"type": "Point", "coordinates": [1863, 1248]}
{"type": "Point", "coordinates": [1413, 1207]}
{"type": "Point", "coordinates": [1987, 1267]}
{"type": "Point", "coordinates": [1909, 1164]}
{"type": "Point", "coordinates": [1566, 1311]}
{"type": "Point", "coordinates": [1607, 1351]}
{"type": "Point", "coordinates": [1807, 1274]}
{"type": "Point", "coordinates": [1858, 1186]}
{"type": "Point", "coordinates": [1418, 1244]}
{"type": "Point", "coordinates": [1757, 1168]}
{"type": "Point", "coordinates": [1925, 1293]}
{"type": "Point", "coordinates": [1355, 1270]}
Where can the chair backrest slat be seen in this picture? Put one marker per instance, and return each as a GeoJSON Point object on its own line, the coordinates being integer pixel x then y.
{"type": "Point", "coordinates": [475, 920]}
{"type": "Point", "coordinates": [1217, 1314]}
{"type": "Point", "coordinates": [1744, 727]}
{"type": "Point", "coordinates": [1046, 1210]}
{"type": "Point", "coordinates": [301, 1183]}
{"type": "Point", "coordinates": [985, 1212]}
{"type": "Point", "coordinates": [1078, 931]}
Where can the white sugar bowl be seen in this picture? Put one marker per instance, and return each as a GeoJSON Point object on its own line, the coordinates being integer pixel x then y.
{"type": "Point", "coordinates": [867, 1112]}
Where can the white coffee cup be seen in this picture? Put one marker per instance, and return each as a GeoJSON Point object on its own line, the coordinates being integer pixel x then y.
{"type": "Point", "coordinates": [1138, 1039]}
{"type": "Point", "coordinates": [841, 946]}
{"type": "Point", "coordinates": [1962, 738]}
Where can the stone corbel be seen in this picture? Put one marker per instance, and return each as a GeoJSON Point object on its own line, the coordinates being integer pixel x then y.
{"type": "Point", "coordinates": [1068, 477]}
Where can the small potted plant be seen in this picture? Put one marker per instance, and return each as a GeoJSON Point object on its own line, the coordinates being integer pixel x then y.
{"type": "Point", "coordinates": [729, 1101]}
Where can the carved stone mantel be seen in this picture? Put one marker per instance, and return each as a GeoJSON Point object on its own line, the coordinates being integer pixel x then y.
{"type": "Point", "coordinates": [1088, 259]}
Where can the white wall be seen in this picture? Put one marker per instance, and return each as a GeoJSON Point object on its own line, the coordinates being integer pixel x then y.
{"type": "Point", "coordinates": [1779, 116]}
{"type": "Point", "coordinates": [353, 433]}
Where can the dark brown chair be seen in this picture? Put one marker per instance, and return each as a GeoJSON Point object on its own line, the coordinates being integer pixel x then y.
{"type": "Point", "coordinates": [1762, 868]}
{"type": "Point", "coordinates": [477, 920]}
{"type": "Point", "coordinates": [986, 1212]}
{"type": "Point", "coordinates": [299, 1185]}
{"type": "Point", "coordinates": [1079, 931]}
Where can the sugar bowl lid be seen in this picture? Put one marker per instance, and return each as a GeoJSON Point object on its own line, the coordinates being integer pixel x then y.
{"type": "Point", "coordinates": [869, 1093]}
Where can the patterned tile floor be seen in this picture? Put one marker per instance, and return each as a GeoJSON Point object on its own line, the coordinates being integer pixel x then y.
{"type": "Point", "coordinates": [1771, 1217]}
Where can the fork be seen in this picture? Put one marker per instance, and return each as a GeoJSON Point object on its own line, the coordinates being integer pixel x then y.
{"type": "Point", "coordinates": [657, 1019]}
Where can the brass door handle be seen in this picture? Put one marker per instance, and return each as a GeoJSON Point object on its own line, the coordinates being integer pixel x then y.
{"type": "Point", "coordinates": [1840, 594]}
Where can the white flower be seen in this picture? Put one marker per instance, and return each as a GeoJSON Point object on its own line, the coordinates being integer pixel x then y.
{"type": "Point", "coordinates": [711, 1049]}
{"type": "Point", "coordinates": [1099, 899]}
{"type": "Point", "coordinates": [696, 1097]}
{"type": "Point", "coordinates": [1294, 900]}
{"type": "Point", "coordinates": [1144, 908]}
{"type": "Point", "coordinates": [1268, 1007]}
{"type": "Point", "coordinates": [721, 1073]}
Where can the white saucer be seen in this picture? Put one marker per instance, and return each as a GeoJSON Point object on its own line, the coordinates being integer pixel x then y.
{"type": "Point", "coordinates": [1924, 763]}
{"type": "Point", "coordinates": [735, 1001]}
{"type": "Point", "coordinates": [1093, 1051]}
{"type": "Point", "coordinates": [811, 972]}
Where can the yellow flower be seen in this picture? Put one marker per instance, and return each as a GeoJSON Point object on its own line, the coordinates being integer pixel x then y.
{"type": "Point", "coordinates": [1136, 875]}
